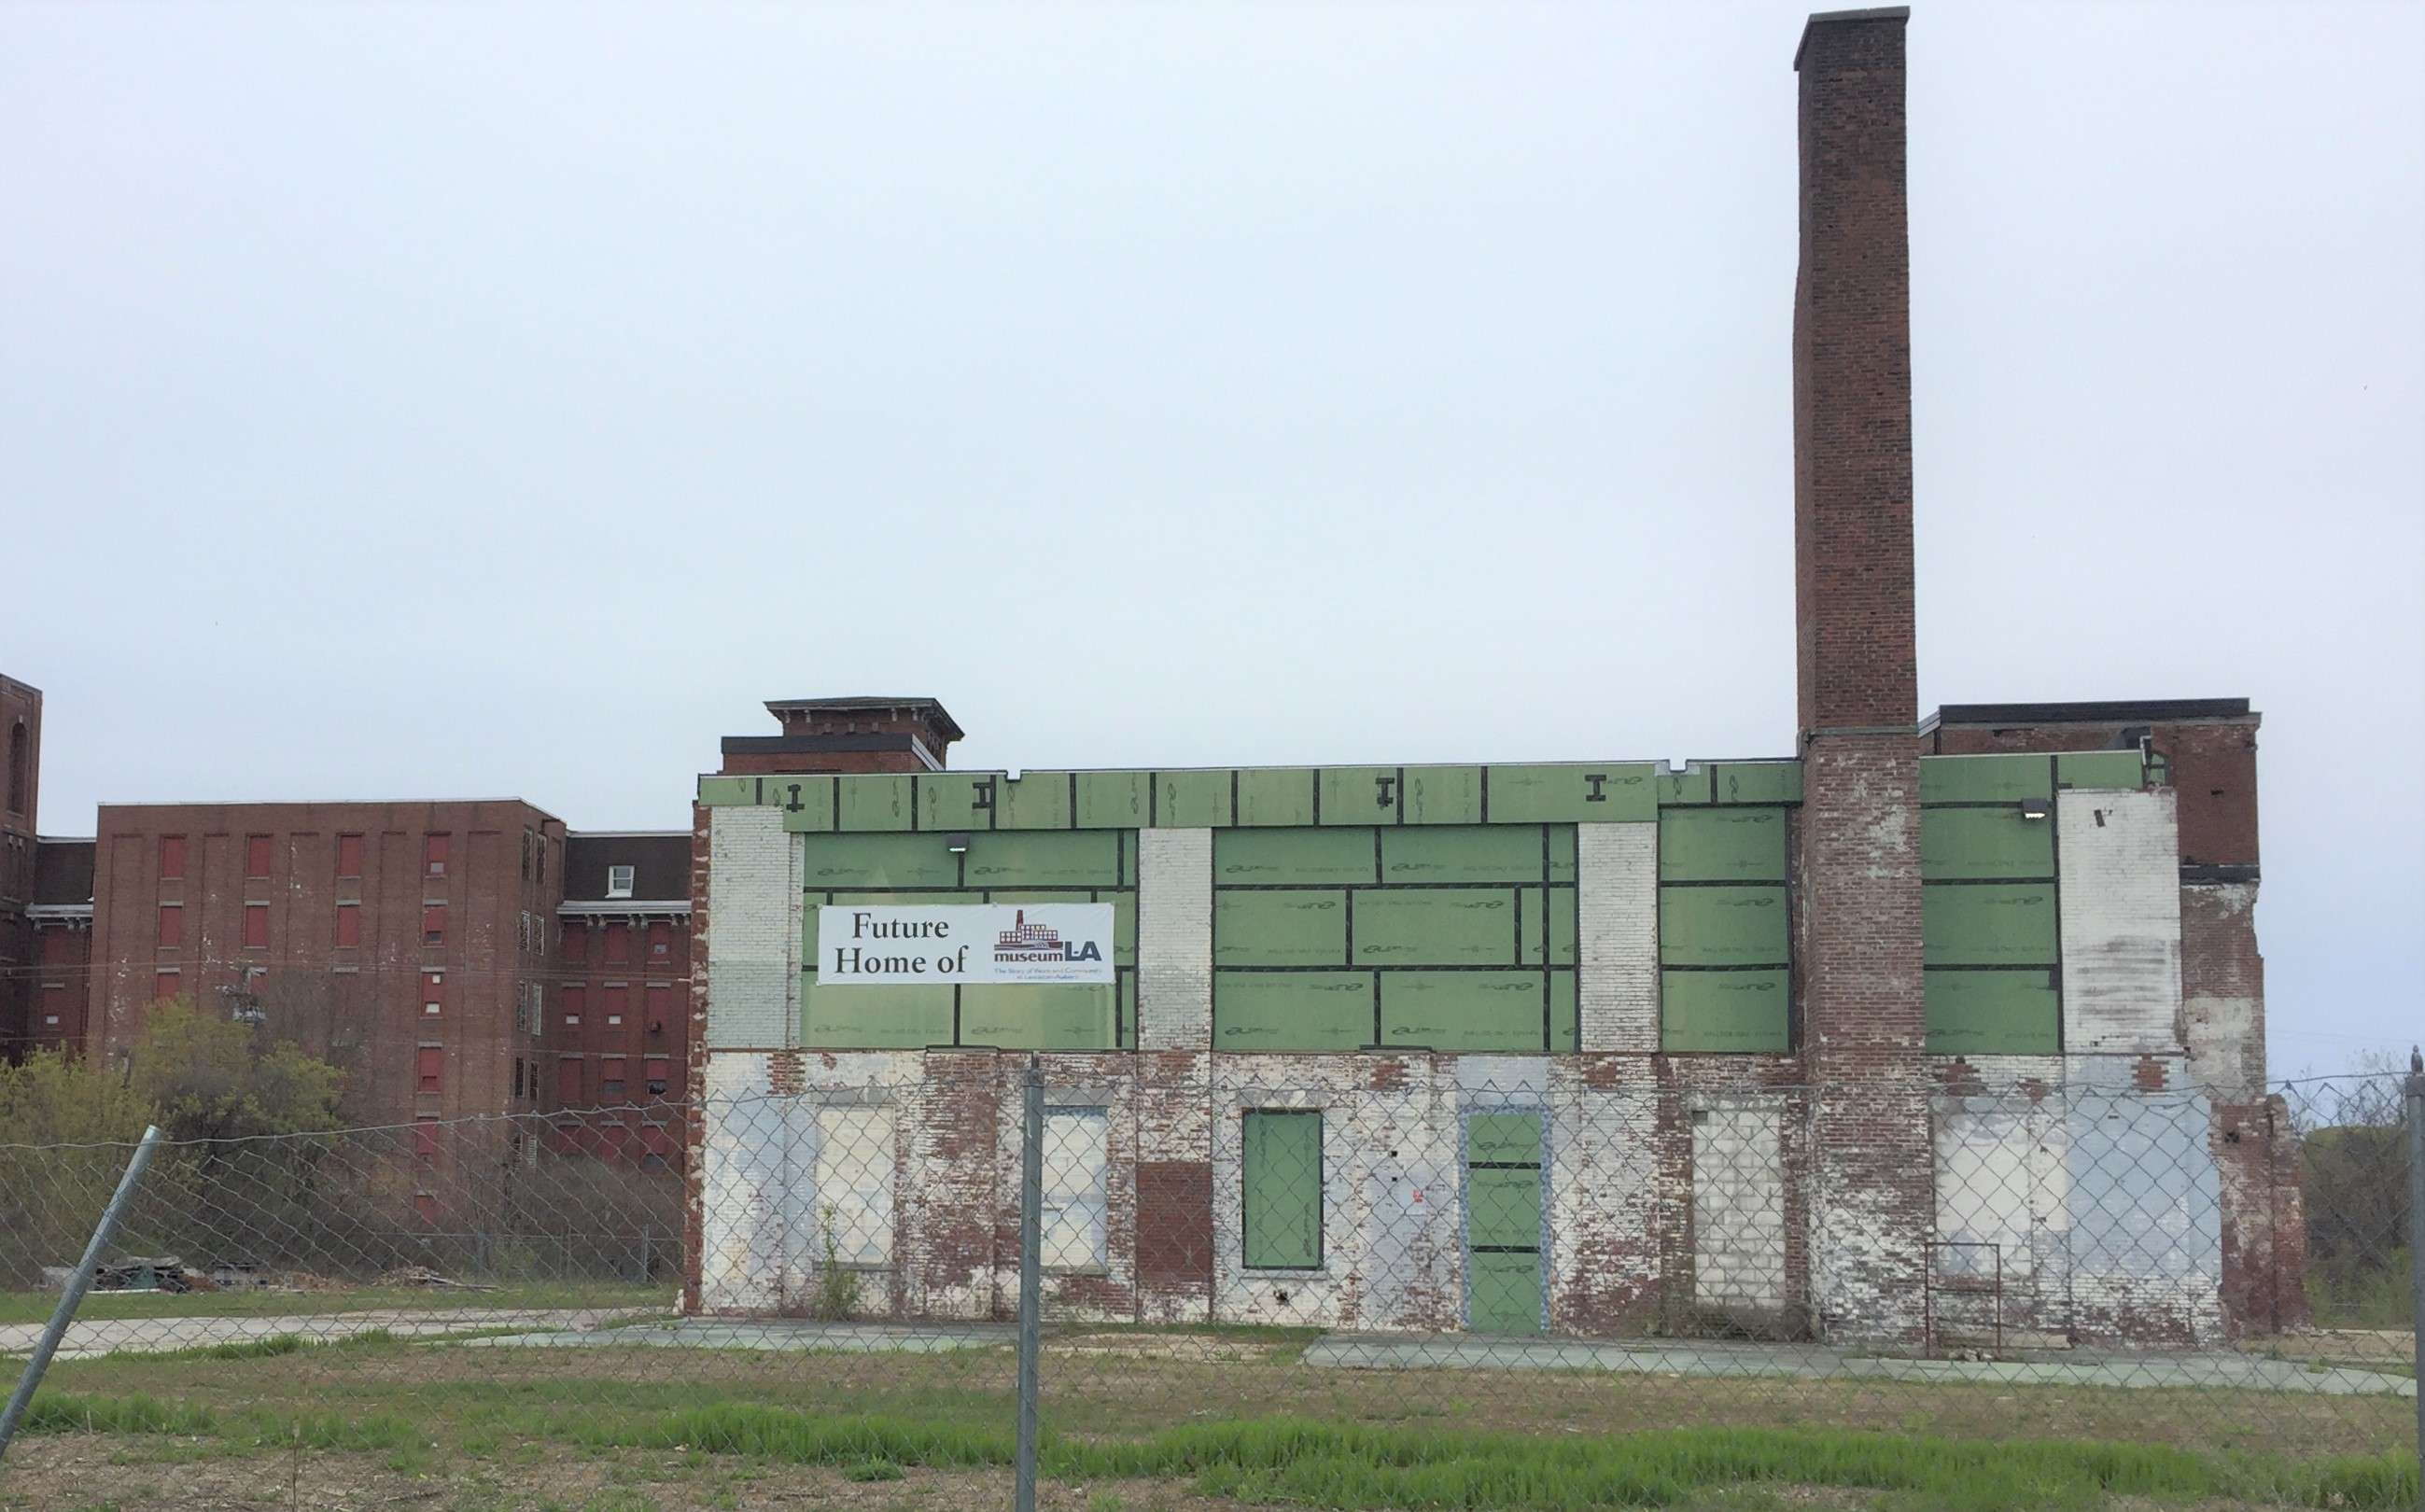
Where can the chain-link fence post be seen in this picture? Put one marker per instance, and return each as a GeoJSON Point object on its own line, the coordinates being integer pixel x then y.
{"type": "Point", "coordinates": [2416, 1102]}
{"type": "Point", "coordinates": [71, 1296]}
{"type": "Point", "coordinates": [1031, 1273]}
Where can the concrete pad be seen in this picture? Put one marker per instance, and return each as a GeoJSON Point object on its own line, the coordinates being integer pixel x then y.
{"type": "Point", "coordinates": [149, 1336]}
{"type": "Point", "coordinates": [777, 1335]}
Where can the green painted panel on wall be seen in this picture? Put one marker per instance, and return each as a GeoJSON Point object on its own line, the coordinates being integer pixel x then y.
{"type": "Point", "coordinates": [724, 792]}
{"type": "Point", "coordinates": [1044, 858]}
{"type": "Point", "coordinates": [1988, 925]}
{"type": "Point", "coordinates": [1692, 785]}
{"type": "Point", "coordinates": [2099, 768]}
{"type": "Point", "coordinates": [1038, 800]}
{"type": "Point", "coordinates": [1280, 1188]}
{"type": "Point", "coordinates": [1984, 779]}
{"type": "Point", "coordinates": [1443, 795]}
{"type": "Point", "coordinates": [1566, 1013]}
{"type": "Point", "coordinates": [805, 803]}
{"type": "Point", "coordinates": [948, 800]}
{"type": "Point", "coordinates": [1463, 1010]}
{"type": "Point", "coordinates": [1722, 845]}
{"type": "Point", "coordinates": [1531, 926]}
{"type": "Point", "coordinates": [1114, 800]}
{"type": "Point", "coordinates": [1279, 928]}
{"type": "Point", "coordinates": [1503, 1208]}
{"type": "Point", "coordinates": [1723, 1010]}
{"type": "Point", "coordinates": [1759, 782]}
{"type": "Point", "coordinates": [1275, 856]}
{"type": "Point", "coordinates": [1603, 792]}
{"type": "Point", "coordinates": [1562, 853]}
{"type": "Point", "coordinates": [1038, 1017]}
{"type": "Point", "coordinates": [1561, 925]}
{"type": "Point", "coordinates": [877, 861]}
{"type": "Point", "coordinates": [1191, 800]}
{"type": "Point", "coordinates": [1993, 1013]}
{"type": "Point", "coordinates": [1983, 843]}
{"type": "Point", "coordinates": [1359, 795]}
{"type": "Point", "coordinates": [1722, 927]}
{"type": "Point", "coordinates": [875, 1017]}
{"type": "Point", "coordinates": [1435, 926]}
{"type": "Point", "coordinates": [1464, 853]}
{"type": "Point", "coordinates": [1506, 1139]}
{"type": "Point", "coordinates": [1504, 1294]}
{"type": "Point", "coordinates": [877, 802]}
{"type": "Point", "coordinates": [1291, 1011]}
{"type": "Point", "coordinates": [1276, 796]}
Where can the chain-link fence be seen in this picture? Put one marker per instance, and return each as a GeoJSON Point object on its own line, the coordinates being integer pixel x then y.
{"type": "Point", "coordinates": [1372, 1290]}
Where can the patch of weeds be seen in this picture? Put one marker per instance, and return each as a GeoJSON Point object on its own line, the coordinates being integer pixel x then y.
{"type": "Point", "coordinates": [874, 1470]}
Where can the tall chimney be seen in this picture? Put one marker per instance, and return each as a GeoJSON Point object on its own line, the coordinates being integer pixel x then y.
{"type": "Point", "coordinates": [1863, 1022]}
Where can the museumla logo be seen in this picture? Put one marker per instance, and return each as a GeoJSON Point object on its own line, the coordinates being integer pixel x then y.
{"type": "Point", "coordinates": [1037, 942]}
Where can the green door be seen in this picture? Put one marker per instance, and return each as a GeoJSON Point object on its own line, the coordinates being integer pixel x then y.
{"type": "Point", "coordinates": [1502, 1223]}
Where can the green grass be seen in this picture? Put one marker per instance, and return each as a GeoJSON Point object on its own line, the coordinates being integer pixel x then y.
{"type": "Point", "coordinates": [520, 1297]}
{"type": "Point", "coordinates": [1330, 1465]}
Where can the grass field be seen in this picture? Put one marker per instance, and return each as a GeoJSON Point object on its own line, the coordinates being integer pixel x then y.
{"type": "Point", "coordinates": [1140, 1422]}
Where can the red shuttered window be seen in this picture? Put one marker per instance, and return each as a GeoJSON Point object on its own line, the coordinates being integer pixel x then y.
{"type": "Point", "coordinates": [256, 855]}
{"type": "Point", "coordinates": [256, 927]}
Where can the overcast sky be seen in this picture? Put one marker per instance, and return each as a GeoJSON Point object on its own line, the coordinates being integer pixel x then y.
{"type": "Point", "coordinates": [416, 402]}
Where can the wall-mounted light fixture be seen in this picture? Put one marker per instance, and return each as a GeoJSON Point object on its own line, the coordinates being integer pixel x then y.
{"type": "Point", "coordinates": [2035, 808]}
{"type": "Point", "coordinates": [956, 843]}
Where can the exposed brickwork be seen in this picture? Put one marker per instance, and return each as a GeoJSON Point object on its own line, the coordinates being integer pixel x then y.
{"type": "Point", "coordinates": [1175, 938]}
{"type": "Point", "coordinates": [20, 769]}
{"type": "Point", "coordinates": [2121, 921]}
{"type": "Point", "coordinates": [361, 1005]}
{"type": "Point", "coordinates": [1616, 902]}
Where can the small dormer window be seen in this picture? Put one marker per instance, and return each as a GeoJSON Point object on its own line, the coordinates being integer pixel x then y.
{"type": "Point", "coordinates": [619, 881]}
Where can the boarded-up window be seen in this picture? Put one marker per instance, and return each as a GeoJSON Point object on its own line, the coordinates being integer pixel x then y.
{"type": "Point", "coordinates": [619, 943]}
{"type": "Point", "coordinates": [610, 1079]}
{"type": "Point", "coordinates": [567, 1083]}
{"type": "Point", "coordinates": [433, 999]}
{"type": "Point", "coordinates": [432, 1065]}
{"type": "Point", "coordinates": [256, 927]}
{"type": "Point", "coordinates": [350, 854]}
{"type": "Point", "coordinates": [349, 924]}
{"type": "Point", "coordinates": [614, 1001]}
{"type": "Point", "coordinates": [576, 941]}
{"type": "Point", "coordinates": [1075, 1184]}
{"type": "Point", "coordinates": [172, 926]}
{"type": "Point", "coordinates": [1281, 1181]}
{"type": "Point", "coordinates": [853, 1184]}
{"type": "Point", "coordinates": [164, 986]}
{"type": "Point", "coordinates": [661, 941]}
{"type": "Point", "coordinates": [55, 1005]}
{"type": "Point", "coordinates": [574, 999]}
{"type": "Point", "coordinates": [660, 1007]}
{"type": "Point", "coordinates": [659, 1072]}
{"type": "Point", "coordinates": [173, 858]}
{"type": "Point", "coordinates": [433, 924]}
{"type": "Point", "coordinates": [433, 855]}
{"type": "Point", "coordinates": [518, 1077]}
{"type": "Point", "coordinates": [256, 855]}
{"type": "Point", "coordinates": [424, 1141]}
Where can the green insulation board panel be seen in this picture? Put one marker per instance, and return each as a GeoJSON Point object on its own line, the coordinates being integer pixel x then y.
{"type": "Point", "coordinates": [1472, 1011]}
{"type": "Point", "coordinates": [1291, 1011]}
{"type": "Point", "coordinates": [1722, 844]}
{"type": "Point", "coordinates": [1984, 844]}
{"type": "Point", "coordinates": [1988, 924]}
{"type": "Point", "coordinates": [1467, 853]}
{"type": "Point", "coordinates": [1290, 929]}
{"type": "Point", "coordinates": [1985, 779]}
{"type": "Point", "coordinates": [2100, 769]}
{"type": "Point", "coordinates": [1440, 926]}
{"type": "Point", "coordinates": [1994, 1013]}
{"type": "Point", "coordinates": [1280, 1183]}
{"type": "Point", "coordinates": [1724, 1011]}
{"type": "Point", "coordinates": [875, 1017]}
{"type": "Point", "coordinates": [1276, 857]}
{"type": "Point", "coordinates": [1722, 927]}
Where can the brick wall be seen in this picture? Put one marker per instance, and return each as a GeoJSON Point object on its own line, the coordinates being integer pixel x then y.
{"type": "Point", "coordinates": [21, 768]}
{"type": "Point", "coordinates": [1174, 938]}
{"type": "Point", "coordinates": [2121, 921]}
{"type": "Point", "coordinates": [1616, 907]}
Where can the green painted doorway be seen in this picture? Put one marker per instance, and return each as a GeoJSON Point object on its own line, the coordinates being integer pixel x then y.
{"type": "Point", "coordinates": [1502, 1223]}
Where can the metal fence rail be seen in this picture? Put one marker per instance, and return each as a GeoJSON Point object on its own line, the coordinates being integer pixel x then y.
{"type": "Point", "coordinates": [952, 1265]}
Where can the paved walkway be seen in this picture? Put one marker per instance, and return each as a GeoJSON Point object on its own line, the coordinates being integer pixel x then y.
{"type": "Point", "coordinates": [91, 1338]}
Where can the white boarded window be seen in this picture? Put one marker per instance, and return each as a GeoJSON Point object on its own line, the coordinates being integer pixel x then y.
{"type": "Point", "coordinates": [855, 1184]}
{"type": "Point", "coordinates": [1075, 1184]}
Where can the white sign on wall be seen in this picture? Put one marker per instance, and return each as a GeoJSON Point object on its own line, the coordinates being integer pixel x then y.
{"type": "Point", "coordinates": [881, 945]}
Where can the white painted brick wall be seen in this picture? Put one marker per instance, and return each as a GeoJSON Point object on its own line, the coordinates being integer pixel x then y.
{"type": "Point", "coordinates": [1616, 904]}
{"type": "Point", "coordinates": [1739, 1202]}
{"type": "Point", "coordinates": [2119, 856]}
{"type": "Point", "coordinates": [753, 929]}
{"type": "Point", "coordinates": [1174, 938]}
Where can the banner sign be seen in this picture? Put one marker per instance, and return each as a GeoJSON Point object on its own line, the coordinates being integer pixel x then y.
{"type": "Point", "coordinates": [880, 945]}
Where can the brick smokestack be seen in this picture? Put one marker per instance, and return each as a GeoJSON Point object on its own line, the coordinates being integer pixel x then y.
{"type": "Point", "coordinates": [1863, 1019]}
